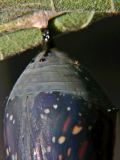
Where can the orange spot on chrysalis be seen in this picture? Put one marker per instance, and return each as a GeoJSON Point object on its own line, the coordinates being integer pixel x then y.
{"type": "Point", "coordinates": [76, 129]}
{"type": "Point", "coordinates": [61, 140]}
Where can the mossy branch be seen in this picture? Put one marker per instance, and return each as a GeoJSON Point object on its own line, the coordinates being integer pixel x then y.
{"type": "Point", "coordinates": [20, 22]}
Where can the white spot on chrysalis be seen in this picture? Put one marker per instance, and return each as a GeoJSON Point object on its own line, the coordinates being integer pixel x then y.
{"type": "Point", "coordinates": [49, 149]}
{"type": "Point", "coordinates": [80, 114]}
{"type": "Point", "coordinates": [7, 151]}
{"type": "Point", "coordinates": [87, 78]}
{"type": "Point", "coordinates": [58, 99]}
{"type": "Point", "coordinates": [13, 157]}
{"type": "Point", "coordinates": [14, 121]}
{"type": "Point", "coordinates": [46, 39]}
{"type": "Point", "coordinates": [16, 156]}
{"type": "Point", "coordinates": [7, 115]}
{"type": "Point", "coordinates": [55, 106]}
{"type": "Point", "coordinates": [43, 117]}
{"type": "Point", "coordinates": [109, 110]}
{"type": "Point", "coordinates": [11, 117]}
{"type": "Point", "coordinates": [53, 139]}
{"type": "Point", "coordinates": [68, 108]}
{"type": "Point", "coordinates": [47, 111]}
{"type": "Point", "coordinates": [51, 92]}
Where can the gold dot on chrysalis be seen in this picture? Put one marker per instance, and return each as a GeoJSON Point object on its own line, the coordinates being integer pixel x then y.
{"type": "Point", "coordinates": [69, 152]}
{"type": "Point", "coordinates": [61, 139]}
{"type": "Point", "coordinates": [76, 129]}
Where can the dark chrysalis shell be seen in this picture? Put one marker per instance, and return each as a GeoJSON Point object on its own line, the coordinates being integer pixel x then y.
{"type": "Point", "coordinates": [57, 112]}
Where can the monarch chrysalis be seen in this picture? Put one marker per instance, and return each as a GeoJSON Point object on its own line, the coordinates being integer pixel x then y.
{"type": "Point", "coordinates": [56, 111]}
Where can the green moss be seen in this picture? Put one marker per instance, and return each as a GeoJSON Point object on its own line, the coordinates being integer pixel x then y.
{"type": "Point", "coordinates": [72, 21]}
{"type": "Point", "coordinates": [80, 13]}
{"type": "Point", "coordinates": [18, 41]}
{"type": "Point", "coordinates": [117, 5]}
{"type": "Point", "coordinates": [89, 5]}
{"type": "Point", "coordinates": [22, 3]}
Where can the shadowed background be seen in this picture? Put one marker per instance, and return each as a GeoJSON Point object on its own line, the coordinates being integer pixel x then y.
{"type": "Point", "coordinates": [97, 47]}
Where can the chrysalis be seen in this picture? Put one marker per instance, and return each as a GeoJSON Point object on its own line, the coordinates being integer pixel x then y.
{"type": "Point", "coordinates": [56, 111]}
